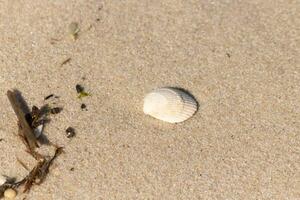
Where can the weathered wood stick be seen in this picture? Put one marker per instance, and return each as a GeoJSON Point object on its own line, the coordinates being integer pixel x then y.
{"type": "Point", "coordinates": [26, 129]}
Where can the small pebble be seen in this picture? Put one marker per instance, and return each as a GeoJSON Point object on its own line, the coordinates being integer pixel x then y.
{"type": "Point", "coordinates": [70, 132]}
{"type": "Point", "coordinates": [79, 88]}
{"type": "Point", "coordinates": [10, 193]}
{"type": "Point", "coordinates": [83, 106]}
{"type": "Point", "coordinates": [55, 110]}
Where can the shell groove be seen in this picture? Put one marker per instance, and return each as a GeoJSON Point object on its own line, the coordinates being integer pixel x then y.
{"type": "Point", "coordinates": [170, 104]}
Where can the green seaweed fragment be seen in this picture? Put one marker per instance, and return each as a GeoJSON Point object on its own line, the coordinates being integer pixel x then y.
{"type": "Point", "coordinates": [83, 94]}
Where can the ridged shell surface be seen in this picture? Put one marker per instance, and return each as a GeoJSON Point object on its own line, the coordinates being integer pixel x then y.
{"type": "Point", "coordinates": [170, 104]}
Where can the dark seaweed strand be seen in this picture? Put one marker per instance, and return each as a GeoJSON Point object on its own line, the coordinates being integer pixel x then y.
{"type": "Point", "coordinates": [48, 97]}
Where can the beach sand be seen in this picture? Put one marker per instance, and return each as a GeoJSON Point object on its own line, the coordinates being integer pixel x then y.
{"type": "Point", "coordinates": [240, 59]}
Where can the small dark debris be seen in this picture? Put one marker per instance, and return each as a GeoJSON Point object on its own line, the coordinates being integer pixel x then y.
{"type": "Point", "coordinates": [72, 169]}
{"type": "Point", "coordinates": [56, 110]}
{"type": "Point", "coordinates": [70, 132]}
{"type": "Point", "coordinates": [49, 96]}
{"type": "Point", "coordinates": [81, 92]}
{"type": "Point", "coordinates": [79, 88]}
{"type": "Point", "coordinates": [98, 19]}
{"type": "Point", "coordinates": [35, 111]}
{"type": "Point", "coordinates": [65, 61]}
{"type": "Point", "coordinates": [54, 40]}
{"type": "Point", "coordinates": [126, 146]}
{"type": "Point", "coordinates": [36, 117]}
{"type": "Point", "coordinates": [228, 55]}
{"type": "Point", "coordinates": [1, 139]}
{"type": "Point", "coordinates": [83, 106]}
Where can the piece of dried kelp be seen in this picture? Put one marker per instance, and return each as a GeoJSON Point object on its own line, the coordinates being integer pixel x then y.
{"type": "Point", "coordinates": [39, 173]}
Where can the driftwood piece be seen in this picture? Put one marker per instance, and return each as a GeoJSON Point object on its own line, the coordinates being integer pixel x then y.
{"type": "Point", "coordinates": [26, 129]}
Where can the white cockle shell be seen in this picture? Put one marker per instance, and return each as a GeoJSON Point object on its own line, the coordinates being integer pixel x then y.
{"type": "Point", "coordinates": [170, 104]}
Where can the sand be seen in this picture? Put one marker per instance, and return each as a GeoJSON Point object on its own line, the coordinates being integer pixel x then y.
{"type": "Point", "coordinates": [240, 59]}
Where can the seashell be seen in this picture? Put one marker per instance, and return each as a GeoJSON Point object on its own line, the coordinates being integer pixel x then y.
{"type": "Point", "coordinates": [170, 104]}
{"type": "Point", "coordinates": [38, 131]}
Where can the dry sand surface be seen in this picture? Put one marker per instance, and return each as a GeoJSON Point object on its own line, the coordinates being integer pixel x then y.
{"type": "Point", "coordinates": [240, 59]}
